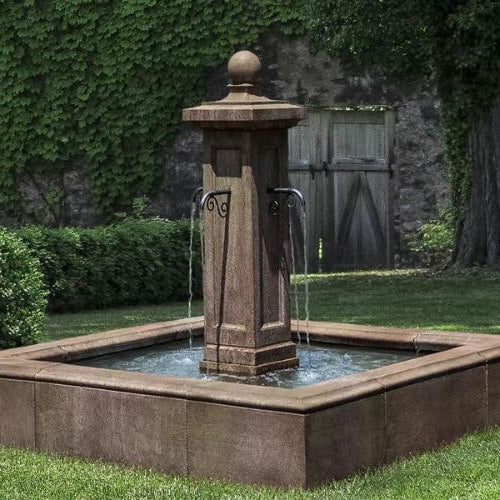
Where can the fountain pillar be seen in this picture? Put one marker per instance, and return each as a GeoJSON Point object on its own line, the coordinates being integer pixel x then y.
{"type": "Point", "coordinates": [246, 244]}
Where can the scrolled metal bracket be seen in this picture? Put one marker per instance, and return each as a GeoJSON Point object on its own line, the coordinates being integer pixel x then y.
{"type": "Point", "coordinates": [211, 202]}
{"type": "Point", "coordinates": [291, 195]}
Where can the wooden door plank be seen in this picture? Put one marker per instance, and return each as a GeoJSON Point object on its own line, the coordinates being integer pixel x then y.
{"type": "Point", "coordinates": [348, 207]}
{"type": "Point", "coordinates": [304, 153]}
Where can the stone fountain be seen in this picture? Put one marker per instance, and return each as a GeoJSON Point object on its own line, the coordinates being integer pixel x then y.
{"type": "Point", "coordinates": [70, 397]}
{"type": "Point", "coordinates": [247, 267]}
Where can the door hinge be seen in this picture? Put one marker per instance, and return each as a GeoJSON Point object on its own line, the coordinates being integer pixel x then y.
{"type": "Point", "coordinates": [325, 168]}
{"type": "Point", "coordinates": [311, 170]}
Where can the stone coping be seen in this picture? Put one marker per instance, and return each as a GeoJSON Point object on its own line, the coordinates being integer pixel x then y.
{"type": "Point", "coordinates": [49, 362]}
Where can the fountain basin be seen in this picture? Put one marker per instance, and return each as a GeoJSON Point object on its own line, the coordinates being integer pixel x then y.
{"type": "Point", "coordinates": [319, 362]}
{"type": "Point", "coordinates": [251, 434]}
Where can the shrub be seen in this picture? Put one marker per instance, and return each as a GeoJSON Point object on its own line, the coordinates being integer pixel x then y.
{"type": "Point", "coordinates": [434, 242]}
{"type": "Point", "coordinates": [22, 293]}
{"type": "Point", "coordinates": [134, 262]}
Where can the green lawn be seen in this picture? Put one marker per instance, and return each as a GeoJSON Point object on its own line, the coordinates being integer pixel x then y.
{"type": "Point", "coordinates": [411, 299]}
{"type": "Point", "coordinates": [60, 326]}
{"type": "Point", "coordinates": [467, 469]}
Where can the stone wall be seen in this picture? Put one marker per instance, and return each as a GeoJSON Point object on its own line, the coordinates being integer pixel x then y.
{"type": "Point", "coordinates": [420, 187]}
{"type": "Point", "coordinates": [290, 72]}
{"type": "Point", "coordinates": [53, 196]}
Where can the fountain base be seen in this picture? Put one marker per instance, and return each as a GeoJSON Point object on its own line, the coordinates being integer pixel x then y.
{"type": "Point", "coordinates": [293, 437]}
{"type": "Point", "coordinates": [214, 367]}
{"type": "Point", "coordinates": [248, 361]}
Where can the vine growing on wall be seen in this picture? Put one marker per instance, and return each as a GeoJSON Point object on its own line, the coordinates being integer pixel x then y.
{"type": "Point", "coordinates": [102, 83]}
{"type": "Point", "coordinates": [456, 130]}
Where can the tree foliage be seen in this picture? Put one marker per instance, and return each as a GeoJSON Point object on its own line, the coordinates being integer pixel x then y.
{"type": "Point", "coordinates": [101, 83]}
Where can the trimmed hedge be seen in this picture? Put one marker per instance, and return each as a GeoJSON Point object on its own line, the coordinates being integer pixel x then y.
{"type": "Point", "coordinates": [134, 262]}
{"type": "Point", "coordinates": [22, 293]}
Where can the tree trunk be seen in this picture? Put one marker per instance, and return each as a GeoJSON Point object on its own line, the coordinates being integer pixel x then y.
{"type": "Point", "coordinates": [478, 233]}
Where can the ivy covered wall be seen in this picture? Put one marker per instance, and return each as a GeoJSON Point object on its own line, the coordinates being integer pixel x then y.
{"type": "Point", "coordinates": [99, 85]}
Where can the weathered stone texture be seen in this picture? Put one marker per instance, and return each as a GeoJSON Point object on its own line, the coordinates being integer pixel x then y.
{"type": "Point", "coordinates": [183, 174]}
{"type": "Point", "coordinates": [420, 189]}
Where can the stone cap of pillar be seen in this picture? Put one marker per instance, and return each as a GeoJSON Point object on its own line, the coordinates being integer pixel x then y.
{"type": "Point", "coordinates": [244, 107]}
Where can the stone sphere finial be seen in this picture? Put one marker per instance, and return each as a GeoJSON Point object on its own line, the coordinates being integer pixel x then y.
{"type": "Point", "coordinates": [244, 67]}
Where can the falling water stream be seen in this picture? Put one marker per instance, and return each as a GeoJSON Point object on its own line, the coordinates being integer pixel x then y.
{"type": "Point", "coordinates": [306, 275]}
{"type": "Point", "coordinates": [190, 299]}
{"type": "Point", "coordinates": [294, 271]}
{"type": "Point", "coordinates": [202, 252]}
{"type": "Point", "coordinates": [306, 284]}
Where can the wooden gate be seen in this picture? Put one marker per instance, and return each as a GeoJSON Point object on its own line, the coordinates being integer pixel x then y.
{"type": "Point", "coordinates": [340, 161]}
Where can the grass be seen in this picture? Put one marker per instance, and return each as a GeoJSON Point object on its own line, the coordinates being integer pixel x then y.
{"type": "Point", "coordinates": [59, 326]}
{"type": "Point", "coordinates": [413, 299]}
{"type": "Point", "coordinates": [466, 469]}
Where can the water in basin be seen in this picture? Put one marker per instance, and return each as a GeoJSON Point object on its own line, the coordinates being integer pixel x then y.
{"type": "Point", "coordinates": [321, 362]}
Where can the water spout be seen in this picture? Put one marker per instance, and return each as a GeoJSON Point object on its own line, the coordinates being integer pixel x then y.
{"type": "Point", "coordinates": [210, 201]}
{"type": "Point", "coordinates": [196, 194]}
{"type": "Point", "coordinates": [291, 195]}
